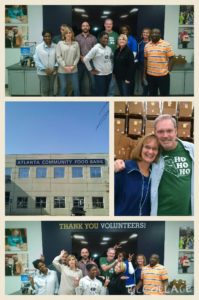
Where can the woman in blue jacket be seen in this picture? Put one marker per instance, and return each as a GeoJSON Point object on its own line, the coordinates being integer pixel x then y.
{"type": "Point", "coordinates": [132, 185]}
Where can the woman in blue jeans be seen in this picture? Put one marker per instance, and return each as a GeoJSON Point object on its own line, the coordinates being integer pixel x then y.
{"type": "Point", "coordinates": [101, 56]}
{"type": "Point", "coordinates": [68, 55]}
{"type": "Point", "coordinates": [124, 66]}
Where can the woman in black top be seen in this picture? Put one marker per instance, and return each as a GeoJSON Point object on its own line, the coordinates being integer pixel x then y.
{"type": "Point", "coordinates": [118, 280]}
{"type": "Point", "coordinates": [124, 66]}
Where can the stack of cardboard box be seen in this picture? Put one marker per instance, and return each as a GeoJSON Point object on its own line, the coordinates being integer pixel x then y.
{"type": "Point", "coordinates": [135, 127]}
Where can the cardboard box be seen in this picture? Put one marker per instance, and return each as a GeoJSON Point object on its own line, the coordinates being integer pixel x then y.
{"type": "Point", "coordinates": [149, 128]}
{"type": "Point", "coordinates": [122, 153]}
{"type": "Point", "coordinates": [169, 107]}
{"type": "Point", "coordinates": [185, 109]}
{"type": "Point", "coordinates": [120, 107]}
{"type": "Point", "coordinates": [135, 126]}
{"type": "Point", "coordinates": [153, 108]}
{"type": "Point", "coordinates": [120, 125]}
{"type": "Point", "coordinates": [184, 129]}
{"type": "Point", "coordinates": [136, 108]}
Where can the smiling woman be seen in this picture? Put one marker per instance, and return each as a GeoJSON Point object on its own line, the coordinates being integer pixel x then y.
{"type": "Point", "coordinates": [132, 184]}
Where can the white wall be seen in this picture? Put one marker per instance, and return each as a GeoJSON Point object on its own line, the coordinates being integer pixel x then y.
{"type": "Point", "coordinates": [35, 27]}
{"type": "Point", "coordinates": [171, 250]}
{"type": "Point", "coordinates": [34, 242]}
{"type": "Point", "coordinates": [171, 31]}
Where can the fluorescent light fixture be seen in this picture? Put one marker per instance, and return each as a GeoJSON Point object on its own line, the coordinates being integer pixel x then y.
{"type": "Point", "coordinates": [84, 242]}
{"type": "Point", "coordinates": [79, 10]}
{"type": "Point", "coordinates": [123, 16]}
{"type": "Point", "coordinates": [106, 12]}
{"type": "Point", "coordinates": [133, 236]}
{"type": "Point", "coordinates": [106, 239]}
{"type": "Point", "coordinates": [84, 16]}
{"type": "Point", "coordinates": [103, 243]}
{"type": "Point", "coordinates": [95, 255]}
{"type": "Point", "coordinates": [134, 10]}
{"type": "Point", "coordinates": [78, 237]}
{"type": "Point", "coordinates": [123, 242]}
{"type": "Point", "coordinates": [103, 17]}
{"type": "Point", "coordinates": [95, 29]}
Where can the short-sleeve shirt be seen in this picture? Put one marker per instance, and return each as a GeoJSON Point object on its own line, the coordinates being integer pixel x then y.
{"type": "Point", "coordinates": [109, 273]}
{"type": "Point", "coordinates": [175, 200]}
{"type": "Point", "coordinates": [157, 55]}
{"type": "Point", "coordinates": [153, 278]}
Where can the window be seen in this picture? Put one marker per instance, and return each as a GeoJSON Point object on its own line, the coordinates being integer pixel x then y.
{"type": "Point", "coordinates": [40, 202]}
{"type": "Point", "coordinates": [7, 198]}
{"type": "Point", "coordinates": [59, 172]}
{"type": "Point", "coordinates": [41, 172]}
{"type": "Point", "coordinates": [77, 172]}
{"type": "Point", "coordinates": [95, 172]}
{"type": "Point", "coordinates": [8, 173]}
{"type": "Point", "coordinates": [78, 201]}
{"type": "Point", "coordinates": [59, 202]}
{"type": "Point", "coordinates": [24, 172]}
{"type": "Point", "coordinates": [97, 202]}
{"type": "Point", "coordinates": [22, 202]}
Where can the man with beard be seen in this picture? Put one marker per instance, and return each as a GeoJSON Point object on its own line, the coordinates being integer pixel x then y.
{"type": "Point", "coordinates": [158, 61]}
{"type": "Point", "coordinates": [86, 41]}
{"type": "Point", "coordinates": [154, 277]}
{"type": "Point", "coordinates": [84, 261]}
{"type": "Point", "coordinates": [172, 177]}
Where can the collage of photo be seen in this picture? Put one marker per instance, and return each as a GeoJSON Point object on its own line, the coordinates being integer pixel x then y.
{"type": "Point", "coordinates": [99, 150]}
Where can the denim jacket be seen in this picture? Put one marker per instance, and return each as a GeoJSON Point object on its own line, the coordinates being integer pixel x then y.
{"type": "Point", "coordinates": [156, 175]}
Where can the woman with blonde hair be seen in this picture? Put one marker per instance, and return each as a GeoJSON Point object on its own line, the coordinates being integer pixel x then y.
{"type": "Point", "coordinates": [140, 263]}
{"type": "Point", "coordinates": [70, 274]}
{"type": "Point", "coordinates": [133, 184]}
{"type": "Point", "coordinates": [68, 55]}
{"type": "Point", "coordinates": [123, 69]}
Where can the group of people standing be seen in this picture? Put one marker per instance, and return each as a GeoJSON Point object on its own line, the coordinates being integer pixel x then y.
{"type": "Point", "coordinates": [108, 62]}
{"type": "Point", "coordinates": [115, 275]}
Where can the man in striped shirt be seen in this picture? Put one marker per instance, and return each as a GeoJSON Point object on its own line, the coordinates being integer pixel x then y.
{"type": "Point", "coordinates": [154, 277]}
{"type": "Point", "coordinates": [158, 60]}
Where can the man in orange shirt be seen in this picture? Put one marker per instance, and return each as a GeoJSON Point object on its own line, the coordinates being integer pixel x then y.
{"type": "Point", "coordinates": [154, 277]}
{"type": "Point", "coordinates": [158, 60]}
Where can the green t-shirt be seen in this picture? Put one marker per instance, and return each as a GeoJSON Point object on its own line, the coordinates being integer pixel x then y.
{"type": "Point", "coordinates": [104, 261]}
{"type": "Point", "coordinates": [112, 40]}
{"type": "Point", "coordinates": [174, 192]}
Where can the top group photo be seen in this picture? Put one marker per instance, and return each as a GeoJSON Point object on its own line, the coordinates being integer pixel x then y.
{"type": "Point", "coordinates": [99, 51]}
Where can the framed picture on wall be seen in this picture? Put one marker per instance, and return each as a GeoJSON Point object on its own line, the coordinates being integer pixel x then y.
{"type": "Point", "coordinates": [15, 263]}
{"type": "Point", "coordinates": [16, 14]}
{"type": "Point", "coordinates": [186, 262]}
{"type": "Point", "coordinates": [16, 239]}
{"type": "Point", "coordinates": [186, 238]}
{"type": "Point", "coordinates": [186, 15]}
{"type": "Point", "coordinates": [186, 38]}
{"type": "Point", "coordinates": [15, 36]}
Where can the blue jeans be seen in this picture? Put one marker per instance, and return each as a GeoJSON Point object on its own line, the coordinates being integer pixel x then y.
{"type": "Point", "coordinates": [102, 83]}
{"type": "Point", "coordinates": [112, 86]}
{"type": "Point", "coordinates": [84, 72]}
{"type": "Point", "coordinates": [63, 80]}
{"type": "Point", "coordinates": [124, 88]}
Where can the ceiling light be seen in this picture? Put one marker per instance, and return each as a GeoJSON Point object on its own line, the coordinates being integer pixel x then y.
{"type": "Point", "coordinates": [103, 17]}
{"type": "Point", "coordinates": [84, 242]}
{"type": "Point", "coordinates": [84, 16]}
{"type": "Point", "coordinates": [79, 10]}
{"type": "Point", "coordinates": [106, 239]}
{"type": "Point", "coordinates": [95, 29]}
{"type": "Point", "coordinates": [95, 255]}
{"type": "Point", "coordinates": [123, 16]}
{"type": "Point", "coordinates": [103, 243]}
{"type": "Point", "coordinates": [123, 242]}
{"type": "Point", "coordinates": [106, 12]}
{"type": "Point", "coordinates": [134, 10]}
{"type": "Point", "coordinates": [78, 237]}
{"type": "Point", "coordinates": [133, 236]}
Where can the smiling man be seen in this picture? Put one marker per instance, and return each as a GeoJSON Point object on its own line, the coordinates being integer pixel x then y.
{"type": "Point", "coordinates": [172, 177]}
{"type": "Point", "coordinates": [158, 60]}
